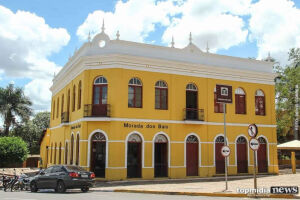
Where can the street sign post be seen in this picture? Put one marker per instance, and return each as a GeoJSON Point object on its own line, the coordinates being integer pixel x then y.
{"type": "Point", "coordinates": [224, 95]}
{"type": "Point", "coordinates": [225, 151]}
{"type": "Point", "coordinates": [254, 145]}
{"type": "Point", "coordinates": [252, 130]}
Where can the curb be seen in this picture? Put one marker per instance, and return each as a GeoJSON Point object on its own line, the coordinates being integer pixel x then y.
{"type": "Point", "coordinates": [285, 196]}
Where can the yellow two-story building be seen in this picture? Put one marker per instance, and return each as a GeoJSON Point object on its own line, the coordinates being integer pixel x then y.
{"type": "Point", "coordinates": [131, 110]}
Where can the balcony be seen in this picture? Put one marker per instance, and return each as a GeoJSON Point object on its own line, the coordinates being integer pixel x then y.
{"type": "Point", "coordinates": [96, 110]}
{"type": "Point", "coordinates": [193, 114]}
{"type": "Point", "coordinates": [64, 117]}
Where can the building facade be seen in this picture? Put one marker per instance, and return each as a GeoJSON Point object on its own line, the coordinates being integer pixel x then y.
{"type": "Point", "coordinates": [131, 110]}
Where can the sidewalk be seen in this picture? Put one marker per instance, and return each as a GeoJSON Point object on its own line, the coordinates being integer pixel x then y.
{"type": "Point", "coordinates": [202, 186]}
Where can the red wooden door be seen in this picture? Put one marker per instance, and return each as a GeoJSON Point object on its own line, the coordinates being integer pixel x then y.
{"type": "Point", "coordinates": [242, 162]}
{"type": "Point", "coordinates": [220, 160]}
{"type": "Point", "coordinates": [161, 160]}
{"type": "Point", "coordinates": [262, 158]}
{"type": "Point", "coordinates": [100, 100]}
{"type": "Point", "coordinates": [192, 159]}
{"type": "Point", "coordinates": [134, 160]}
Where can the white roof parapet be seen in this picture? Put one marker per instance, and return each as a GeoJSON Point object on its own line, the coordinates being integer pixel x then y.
{"type": "Point", "coordinates": [190, 55]}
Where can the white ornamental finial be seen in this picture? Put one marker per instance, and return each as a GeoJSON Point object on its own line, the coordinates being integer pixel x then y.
{"type": "Point", "coordinates": [118, 35]}
{"type": "Point", "coordinates": [172, 43]}
{"type": "Point", "coordinates": [207, 48]}
{"type": "Point", "coordinates": [190, 38]}
{"type": "Point", "coordinates": [103, 26]}
{"type": "Point", "coordinates": [89, 37]}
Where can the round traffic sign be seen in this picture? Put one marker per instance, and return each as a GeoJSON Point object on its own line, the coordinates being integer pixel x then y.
{"type": "Point", "coordinates": [225, 151]}
{"type": "Point", "coordinates": [254, 144]}
{"type": "Point", "coordinates": [252, 130]}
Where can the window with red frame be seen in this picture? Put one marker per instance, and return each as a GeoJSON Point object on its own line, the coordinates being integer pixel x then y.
{"type": "Point", "coordinates": [79, 96]}
{"type": "Point", "coordinates": [260, 103]}
{"type": "Point", "coordinates": [240, 101]}
{"type": "Point", "coordinates": [161, 95]}
{"type": "Point", "coordinates": [135, 89]}
{"type": "Point", "coordinates": [218, 106]}
{"type": "Point", "coordinates": [74, 98]}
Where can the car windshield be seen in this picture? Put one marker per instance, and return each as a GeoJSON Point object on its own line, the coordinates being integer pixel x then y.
{"type": "Point", "coordinates": [74, 168]}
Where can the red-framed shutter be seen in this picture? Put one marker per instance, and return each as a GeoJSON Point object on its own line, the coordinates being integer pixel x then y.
{"type": "Point", "coordinates": [260, 105]}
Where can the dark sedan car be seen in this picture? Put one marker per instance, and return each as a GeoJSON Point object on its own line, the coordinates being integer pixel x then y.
{"type": "Point", "coordinates": [62, 177]}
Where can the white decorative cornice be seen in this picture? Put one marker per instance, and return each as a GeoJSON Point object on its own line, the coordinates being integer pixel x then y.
{"type": "Point", "coordinates": [189, 61]}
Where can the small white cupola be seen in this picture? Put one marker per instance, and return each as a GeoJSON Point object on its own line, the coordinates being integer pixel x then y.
{"type": "Point", "coordinates": [191, 47]}
{"type": "Point", "coordinates": [101, 39]}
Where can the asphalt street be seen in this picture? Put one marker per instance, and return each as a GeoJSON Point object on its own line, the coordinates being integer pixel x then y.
{"type": "Point", "coordinates": [97, 195]}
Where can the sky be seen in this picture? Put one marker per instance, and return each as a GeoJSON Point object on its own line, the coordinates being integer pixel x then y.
{"type": "Point", "coordinates": [37, 37]}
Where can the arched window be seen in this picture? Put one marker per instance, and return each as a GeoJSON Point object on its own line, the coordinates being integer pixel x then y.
{"type": "Point", "coordinates": [59, 155]}
{"type": "Point", "coordinates": [191, 102]}
{"type": "Point", "coordinates": [51, 153]}
{"type": "Point", "coordinates": [161, 95]}
{"type": "Point", "coordinates": [77, 149]}
{"type": "Point", "coordinates": [134, 138]}
{"type": "Point", "coordinates": [62, 103]}
{"type": "Point", "coordinates": [55, 149]}
{"type": "Point", "coordinates": [135, 93]}
{"type": "Point", "coordinates": [240, 101]}
{"type": "Point", "coordinates": [79, 96]}
{"type": "Point", "coordinates": [100, 80]}
{"type": "Point", "coordinates": [191, 87]}
{"type": "Point", "coordinates": [74, 98]}
{"type": "Point", "coordinates": [218, 106]}
{"type": "Point", "coordinates": [260, 103]}
{"type": "Point", "coordinates": [66, 153]}
{"type": "Point", "coordinates": [57, 112]}
{"type": "Point", "coordinates": [53, 110]}
{"type": "Point", "coordinates": [161, 139]}
{"type": "Point", "coordinates": [100, 97]}
{"type": "Point", "coordinates": [192, 139]}
{"type": "Point", "coordinates": [220, 139]}
{"type": "Point", "coordinates": [68, 102]}
{"type": "Point", "coordinates": [72, 149]}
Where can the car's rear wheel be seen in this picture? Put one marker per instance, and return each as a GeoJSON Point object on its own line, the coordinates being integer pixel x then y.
{"type": "Point", "coordinates": [33, 187]}
{"type": "Point", "coordinates": [85, 189]}
{"type": "Point", "coordinates": [60, 187]}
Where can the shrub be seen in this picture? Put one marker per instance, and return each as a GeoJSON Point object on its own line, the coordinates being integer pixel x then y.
{"type": "Point", "coordinates": [13, 150]}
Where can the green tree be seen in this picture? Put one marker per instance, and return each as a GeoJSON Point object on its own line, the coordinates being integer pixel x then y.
{"type": "Point", "coordinates": [289, 76]}
{"type": "Point", "coordinates": [12, 150]}
{"type": "Point", "coordinates": [13, 104]}
{"type": "Point", "coordinates": [31, 131]}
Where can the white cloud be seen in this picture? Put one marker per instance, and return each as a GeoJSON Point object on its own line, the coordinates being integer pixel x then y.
{"type": "Point", "coordinates": [135, 19]}
{"type": "Point", "coordinates": [214, 22]}
{"type": "Point", "coordinates": [26, 43]}
{"type": "Point", "coordinates": [217, 22]}
{"type": "Point", "coordinates": [275, 24]}
{"type": "Point", "coordinates": [39, 93]}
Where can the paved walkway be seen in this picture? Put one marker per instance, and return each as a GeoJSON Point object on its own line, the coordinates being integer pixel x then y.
{"type": "Point", "coordinates": [202, 185]}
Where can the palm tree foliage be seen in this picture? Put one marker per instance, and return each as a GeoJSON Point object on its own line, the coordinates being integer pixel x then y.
{"type": "Point", "coordinates": [13, 104]}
